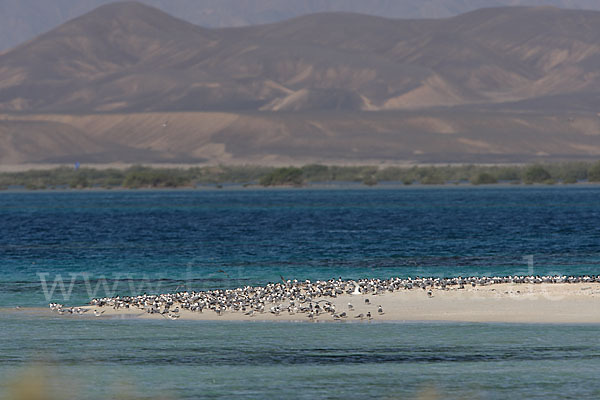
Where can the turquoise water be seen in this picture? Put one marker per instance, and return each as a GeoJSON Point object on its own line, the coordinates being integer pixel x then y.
{"type": "Point", "coordinates": [190, 360]}
{"type": "Point", "coordinates": [161, 240]}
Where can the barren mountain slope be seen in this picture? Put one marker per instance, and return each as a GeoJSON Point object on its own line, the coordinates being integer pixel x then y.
{"type": "Point", "coordinates": [127, 82]}
{"type": "Point", "coordinates": [298, 138]}
{"type": "Point", "coordinates": [127, 57]}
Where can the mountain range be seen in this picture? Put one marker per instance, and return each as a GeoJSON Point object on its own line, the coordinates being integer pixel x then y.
{"type": "Point", "coordinates": [21, 20]}
{"type": "Point", "coordinates": [128, 82]}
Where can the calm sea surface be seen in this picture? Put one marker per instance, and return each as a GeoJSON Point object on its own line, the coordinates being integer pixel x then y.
{"type": "Point", "coordinates": [68, 246]}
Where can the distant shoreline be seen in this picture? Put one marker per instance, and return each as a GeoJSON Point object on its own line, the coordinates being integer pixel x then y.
{"type": "Point", "coordinates": [8, 168]}
{"type": "Point", "coordinates": [312, 175]}
{"type": "Point", "coordinates": [313, 186]}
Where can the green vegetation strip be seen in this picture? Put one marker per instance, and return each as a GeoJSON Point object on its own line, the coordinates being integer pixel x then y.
{"type": "Point", "coordinates": [146, 177]}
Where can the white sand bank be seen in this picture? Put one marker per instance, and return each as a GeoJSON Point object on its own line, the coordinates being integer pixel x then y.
{"type": "Point", "coordinates": [518, 303]}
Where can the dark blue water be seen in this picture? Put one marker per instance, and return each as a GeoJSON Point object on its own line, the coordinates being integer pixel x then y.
{"type": "Point", "coordinates": [130, 242]}
{"type": "Point", "coordinates": [159, 240]}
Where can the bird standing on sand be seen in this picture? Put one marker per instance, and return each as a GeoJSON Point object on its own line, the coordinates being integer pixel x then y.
{"type": "Point", "coordinates": [350, 307]}
{"type": "Point", "coordinates": [380, 310]}
{"type": "Point", "coordinates": [367, 301]}
{"type": "Point", "coordinates": [97, 313]}
{"type": "Point", "coordinates": [369, 316]}
{"type": "Point", "coordinates": [361, 316]}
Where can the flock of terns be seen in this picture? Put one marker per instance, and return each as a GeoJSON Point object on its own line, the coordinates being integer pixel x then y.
{"type": "Point", "coordinates": [298, 297]}
{"type": "Point", "coordinates": [62, 310]}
